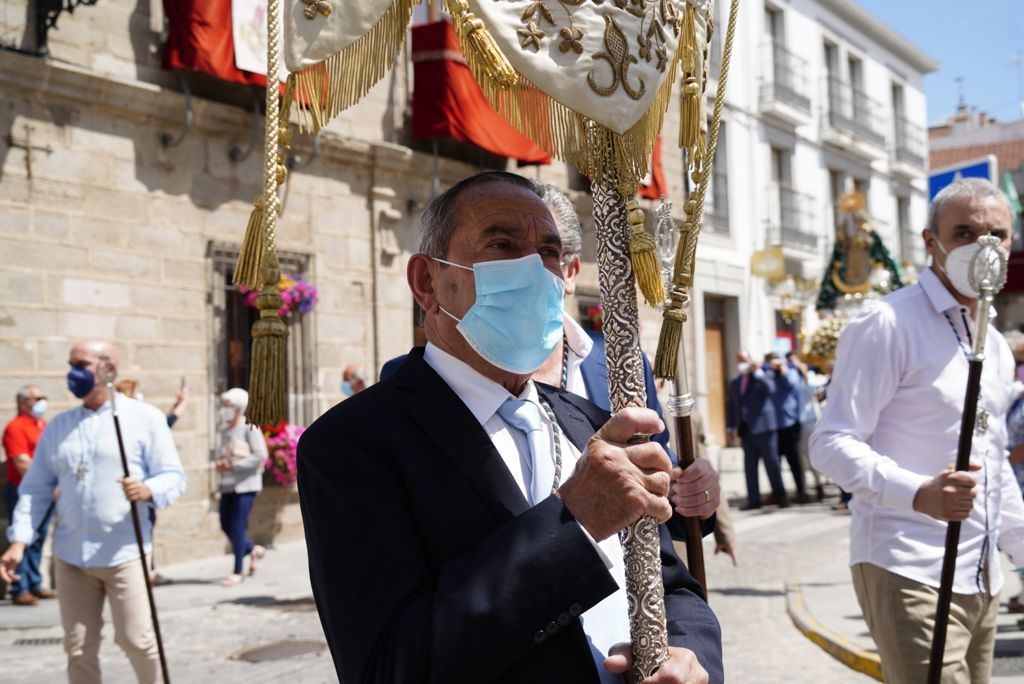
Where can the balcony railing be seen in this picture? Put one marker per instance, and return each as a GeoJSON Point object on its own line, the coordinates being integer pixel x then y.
{"type": "Point", "coordinates": [792, 218]}
{"type": "Point", "coordinates": [785, 77]}
{"type": "Point", "coordinates": [852, 110]}
{"type": "Point", "coordinates": [909, 147]}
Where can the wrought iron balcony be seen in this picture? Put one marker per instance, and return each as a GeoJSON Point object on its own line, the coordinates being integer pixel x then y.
{"type": "Point", "coordinates": [852, 110]}
{"type": "Point", "coordinates": [784, 78]}
{"type": "Point", "coordinates": [716, 204]}
{"type": "Point", "coordinates": [791, 219]}
{"type": "Point", "coordinates": [909, 147]}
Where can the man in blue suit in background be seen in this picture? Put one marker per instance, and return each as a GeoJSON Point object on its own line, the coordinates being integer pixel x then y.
{"type": "Point", "coordinates": [787, 415]}
{"type": "Point", "coordinates": [750, 416]}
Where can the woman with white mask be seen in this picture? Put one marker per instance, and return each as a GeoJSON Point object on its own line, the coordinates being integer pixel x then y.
{"type": "Point", "coordinates": [239, 461]}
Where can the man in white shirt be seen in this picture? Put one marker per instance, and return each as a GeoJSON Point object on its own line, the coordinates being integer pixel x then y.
{"type": "Point", "coordinates": [889, 433]}
{"type": "Point", "coordinates": [461, 521]}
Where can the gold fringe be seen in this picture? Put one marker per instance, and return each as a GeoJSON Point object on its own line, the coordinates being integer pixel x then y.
{"type": "Point", "coordinates": [475, 39]}
{"type": "Point", "coordinates": [570, 136]}
{"type": "Point", "coordinates": [326, 89]}
{"type": "Point", "coordinates": [689, 101]}
{"type": "Point", "coordinates": [254, 244]}
{"type": "Point", "coordinates": [267, 385]}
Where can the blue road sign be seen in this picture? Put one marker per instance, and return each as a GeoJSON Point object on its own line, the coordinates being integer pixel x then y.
{"type": "Point", "coordinates": [983, 167]}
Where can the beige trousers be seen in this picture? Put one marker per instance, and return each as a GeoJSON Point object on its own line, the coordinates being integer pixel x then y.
{"type": "Point", "coordinates": [901, 617]}
{"type": "Point", "coordinates": [82, 591]}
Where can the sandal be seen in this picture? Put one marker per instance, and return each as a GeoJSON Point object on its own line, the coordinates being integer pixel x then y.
{"type": "Point", "coordinates": [232, 580]}
{"type": "Point", "coordinates": [255, 556]}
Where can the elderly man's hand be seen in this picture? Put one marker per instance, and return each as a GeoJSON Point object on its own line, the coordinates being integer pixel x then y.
{"type": "Point", "coordinates": [616, 483]}
{"type": "Point", "coordinates": [949, 495]}
{"type": "Point", "coordinates": [9, 562]}
{"type": "Point", "coordinates": [695, 490]}
{"type": "Point", "coordinates": [135, 489]}
{"type": "Point", "coordinates": [681, 667]}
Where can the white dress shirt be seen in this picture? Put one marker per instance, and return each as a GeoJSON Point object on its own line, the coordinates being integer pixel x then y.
{"type": "Point", "coordinates": [580, 346]}
{"type": "Point", "coordinates": [607, 623]}
{"type": "Point", "coordinates": [892, 421]}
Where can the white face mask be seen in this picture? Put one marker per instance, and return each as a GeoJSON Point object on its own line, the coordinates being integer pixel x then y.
{"type": "Point", "coordinates": [958, 267]}
{"type": "Point", "coordinates": [39, 408]}
{"type": "Point", "coordinates": [227, 413]}
{"type": "Point", "coordinates": [742, 367]}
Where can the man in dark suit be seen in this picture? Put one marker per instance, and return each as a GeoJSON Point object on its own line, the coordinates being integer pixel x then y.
{"type": "Point", "coordinates": [432, 556]}
{"type": "Point", "coordinates": [750, 417]}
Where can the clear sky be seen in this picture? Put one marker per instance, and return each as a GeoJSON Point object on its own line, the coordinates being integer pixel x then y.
{"type": "Point", "coordinates": [975, 40]}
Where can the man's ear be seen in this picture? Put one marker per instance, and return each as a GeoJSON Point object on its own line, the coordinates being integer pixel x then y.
{"type": "Point", "coordinates": [421, 282]}
{"type": "Point", "coordinates": [570, 274]}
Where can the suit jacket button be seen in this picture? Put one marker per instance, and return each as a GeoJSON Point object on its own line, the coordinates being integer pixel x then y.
{"type": "Point", "coordinates": [563, 619]}
{"type": "Point", "coordinates": [539, 636]}
{"type": "Point", "coordinates": [575, 610]}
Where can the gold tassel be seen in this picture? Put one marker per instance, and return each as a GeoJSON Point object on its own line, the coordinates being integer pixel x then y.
{"type": "Point", "coordinates": [267, 386]}
{"type": "Point", "coordinates": [666, 361]}
{"type": "Point", "coordinates": [478, 42]}
{"type": "Point", "coordinates": [689, 101]}
{"type": "Point", "coordinates": [642, 250]}
{"type": "Point", "coordinates": [254, 244]}
{"type": "Point", "coordinates": [327, 88]}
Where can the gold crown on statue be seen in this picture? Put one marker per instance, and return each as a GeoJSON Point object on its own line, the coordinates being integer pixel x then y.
{"type": "Point", "coordinates": [851, 201]}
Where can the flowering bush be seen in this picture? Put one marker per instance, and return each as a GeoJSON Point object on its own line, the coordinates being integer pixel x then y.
{"type": "Point", "coordinates": [282, 442]}
{"type": "Point", "coordinates": [298, 295]}
{"type": "Point", "coordinates": [824, 340]}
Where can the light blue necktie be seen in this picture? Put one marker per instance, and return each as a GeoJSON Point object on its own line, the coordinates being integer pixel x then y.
{"type": "Point", "coordinates": [525, 416]}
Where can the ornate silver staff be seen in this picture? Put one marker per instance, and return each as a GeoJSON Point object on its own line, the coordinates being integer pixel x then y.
{"type": "Point", "coordinates": [987, 274]}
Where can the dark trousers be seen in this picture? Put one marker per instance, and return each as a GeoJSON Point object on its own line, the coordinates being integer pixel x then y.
{"type": "Point", "coordinates": [789, 446]}
{"type": "Point", "coordinates": [762, 447]}
{"type": "Point", "coordinates": [234, 519]}
{"type": "Point", "coordinates": [30, 568]}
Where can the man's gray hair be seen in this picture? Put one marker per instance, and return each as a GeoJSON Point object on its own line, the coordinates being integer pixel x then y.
{"type": "Point", "coordinates": [565, 216]}
{"type": "Point", "coordinates": [24, 392]}
{"type": "Point", "coordinates": [963, 188]}
{"type": "Point", "coordinates": [438, 222]}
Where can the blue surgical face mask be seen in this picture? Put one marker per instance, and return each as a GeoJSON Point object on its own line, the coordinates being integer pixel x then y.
{"type": "Point", "coordinates": [346, 388]}
{"type": "Point", "coordinates": [80, 381]}
{"type": "Point", "coordinates": [38, 409]}
{"type": "Point", "coordinates": [516, 321]}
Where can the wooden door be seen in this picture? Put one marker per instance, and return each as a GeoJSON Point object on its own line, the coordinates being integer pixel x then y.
{"type": "Point", "coordinates": [714, 345]}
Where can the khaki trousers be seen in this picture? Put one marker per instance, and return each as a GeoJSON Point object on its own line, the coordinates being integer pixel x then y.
{"type": "Point", "coordinates": [901, 617]}
{"type": "Point", "coordinates": [82, 591]}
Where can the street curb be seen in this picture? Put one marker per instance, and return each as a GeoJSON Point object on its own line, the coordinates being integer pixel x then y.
{"type": "Point", "coordinates": [833, 643]}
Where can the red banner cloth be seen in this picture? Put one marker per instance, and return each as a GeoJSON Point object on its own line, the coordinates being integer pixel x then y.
{"type": "Point", "coordinates": [654, 185]}
{"type": "Point", "coordinates": [448, 102]}
{"type": "Point", "coordinates": [199, 39]}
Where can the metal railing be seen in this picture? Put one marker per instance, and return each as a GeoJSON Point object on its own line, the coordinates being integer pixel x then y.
{"type": "Point", "coordinates": [850, 109]}
{"type": "Point", "coordinates": [910, 146]}
{"type": "Point", "coordinates": [785, 77]}
{"type": "Point", "coordinates": [791, 216]}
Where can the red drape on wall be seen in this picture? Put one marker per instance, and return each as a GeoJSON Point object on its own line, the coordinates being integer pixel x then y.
{"type": "Point", "coordinates": [447, 101]}
{"type": "Point", "coordinates": [654, 185]}
{"type": "Point", "coordinates": [199, 39]}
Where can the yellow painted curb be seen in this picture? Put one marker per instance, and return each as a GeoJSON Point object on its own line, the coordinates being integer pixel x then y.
{"type": "Point", "coordinates": [833, 643]}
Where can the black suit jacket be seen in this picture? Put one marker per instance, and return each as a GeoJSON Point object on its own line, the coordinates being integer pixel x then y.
{"type": "Point", "coordinates": [426, 561]}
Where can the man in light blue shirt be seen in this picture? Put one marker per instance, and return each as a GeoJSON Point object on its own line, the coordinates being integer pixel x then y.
{"type": "Point", "coordinates": [97, 553]}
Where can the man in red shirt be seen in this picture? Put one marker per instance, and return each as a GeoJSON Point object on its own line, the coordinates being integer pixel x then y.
{"type": "Point", "coordinates": [20, 437]}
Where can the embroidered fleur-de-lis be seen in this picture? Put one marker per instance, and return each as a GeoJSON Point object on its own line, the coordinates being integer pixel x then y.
{"type": "Point", "coordinates": [529, 37]}
{"type": "Point", "coordinates": [617, 55]}
{"type": "Point", "coordinates": [315, 7]}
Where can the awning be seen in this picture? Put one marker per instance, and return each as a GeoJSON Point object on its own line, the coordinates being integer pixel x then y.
{"type": "Point", "coordinates": [447, 102]}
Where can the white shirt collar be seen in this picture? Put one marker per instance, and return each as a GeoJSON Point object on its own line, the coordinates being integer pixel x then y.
{"type": "Point", "coordinates": [941, 298]}
{"type": "Point", "coordinates": [481, 395]}
{"type": "Point", "coordinates": [579, 341]}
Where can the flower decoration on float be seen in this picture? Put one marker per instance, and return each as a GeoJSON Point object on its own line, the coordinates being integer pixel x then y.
{"type": "Point", "coordinates": [298, 295]}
